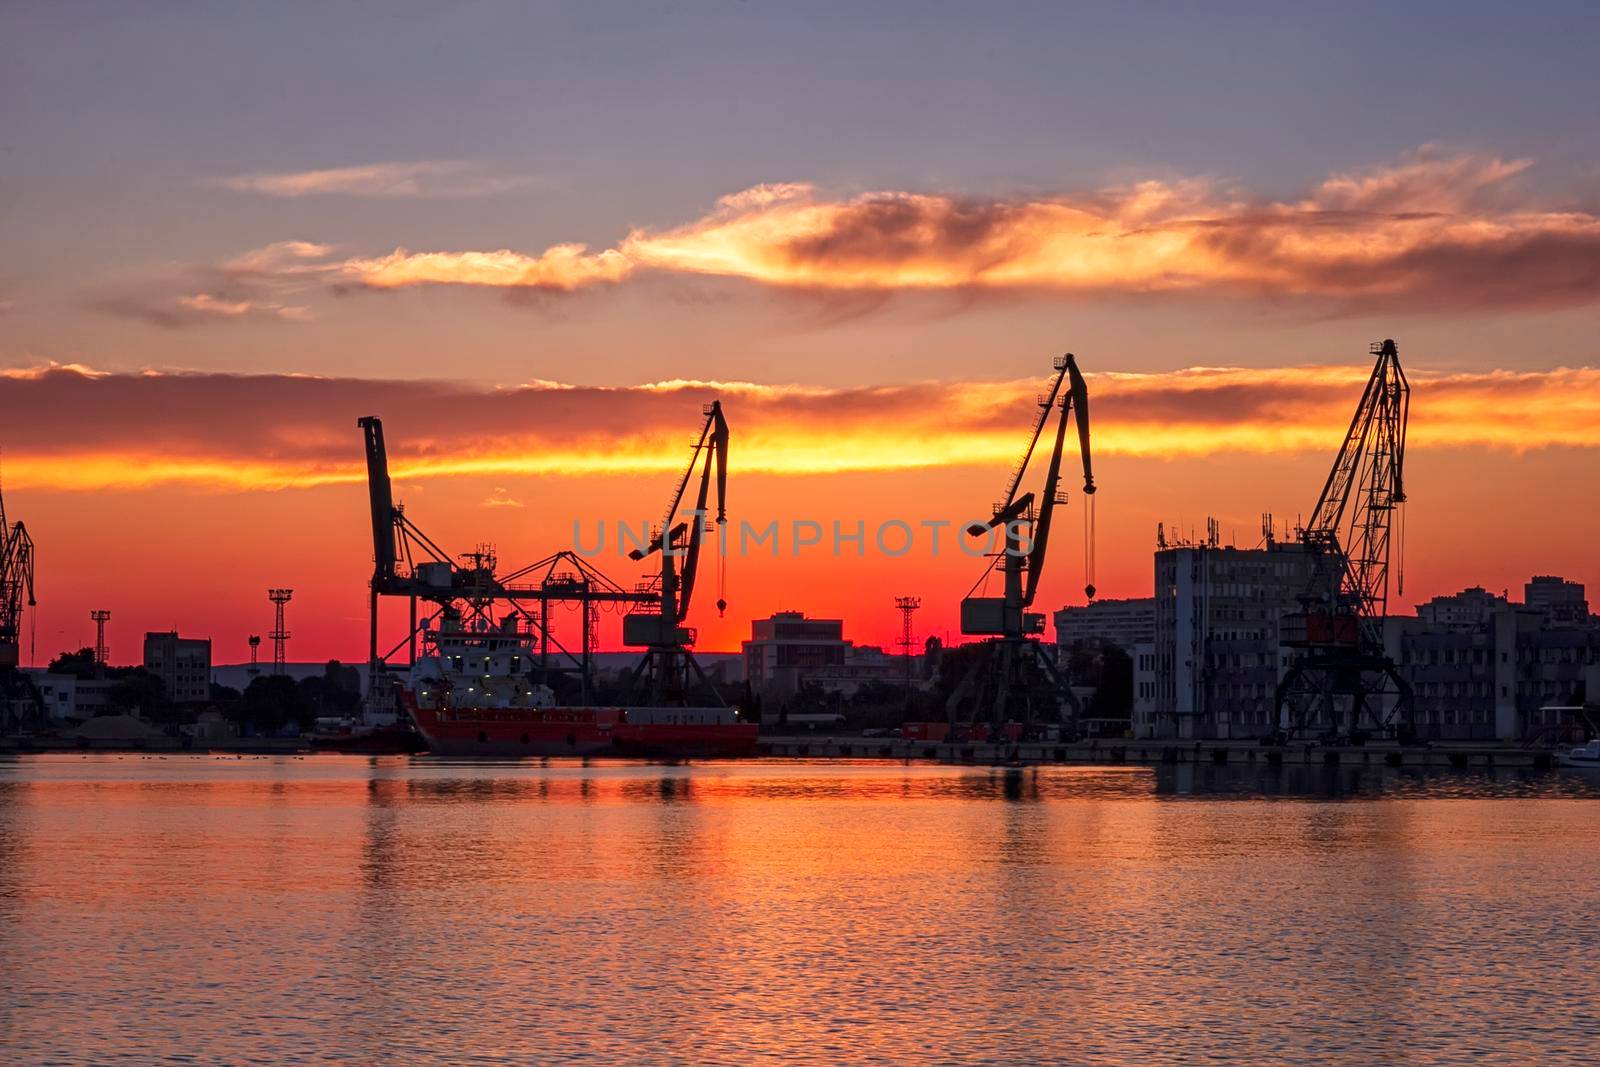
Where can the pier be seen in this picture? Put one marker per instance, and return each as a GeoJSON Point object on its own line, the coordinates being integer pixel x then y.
{"type": "Point", "coordinates": [1459, 756]}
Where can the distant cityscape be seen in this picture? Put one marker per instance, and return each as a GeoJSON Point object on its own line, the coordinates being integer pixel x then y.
{"type": "Point", "coordinates": [1200, 659]}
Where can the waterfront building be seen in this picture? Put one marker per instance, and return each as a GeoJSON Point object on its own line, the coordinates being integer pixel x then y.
{"type": "Point", "coordinates": [789, 651]}
{"type": "Point", "coordinates": [1145, 682]}
{"type": "Point", "coordinates": [1481, 667]}
{"type": "Point", "coordinates": [66, 696]}
{"type": "Point", "coordinates": [1502, 680]}
{"type": "Point", "coordinates": [1219, 616]}
{"type": "Point", "coordinates": [182, 663]}
{"type": "Point", "coordinates": [1124, 623]}
{"type": "Point", "coordinates": [787, 647]}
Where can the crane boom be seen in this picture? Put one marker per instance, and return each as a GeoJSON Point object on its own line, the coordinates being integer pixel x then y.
{"type": "Point", "coordinates": [1072, 403]}
{"type": "Point", "coordinates": [1353, 515]}
{"type": "Point", "coordinates": [1077, 399]}
{"type": "Point", "coordinates": [710, 454]}
{"type": "Point", "coordinates": [380, 495]}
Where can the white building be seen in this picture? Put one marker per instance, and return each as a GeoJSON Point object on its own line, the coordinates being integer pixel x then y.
{"type": "Point", "coordinates": [1145, 682]}
{"type": "Point", "coordinates": [1124, 623]}
{"type": "Point", "coordinates": [66, 696]}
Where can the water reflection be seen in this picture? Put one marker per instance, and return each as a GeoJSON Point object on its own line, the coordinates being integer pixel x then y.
{"type": "Point", "coordinates": [395, 910]}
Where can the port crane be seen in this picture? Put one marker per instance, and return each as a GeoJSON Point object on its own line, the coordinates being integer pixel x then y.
{"type": "Point", "coordinates": [1342, 679]}
{"type": "Point", "coordinates": [1015, 669]}
{"type": "Point", "coordinates": [667, 671]}
{"type": "Point", "coordinates": [466, 589]}
{"type": "Point", "coordinates": [16, 591]}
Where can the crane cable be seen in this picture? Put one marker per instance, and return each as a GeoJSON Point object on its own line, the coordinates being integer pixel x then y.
{"type": "Point", "coordinates": [1088, 546]}
{"type": "Point", "coordinates": [722, 569]}
{"type": "Point", "coordinates": [1400, 569]}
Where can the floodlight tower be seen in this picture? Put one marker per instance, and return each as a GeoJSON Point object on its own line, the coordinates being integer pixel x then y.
{"type": "Point", "coordinates": [279, 634]}
{"type": "Point", "coordinates": [255, 648]}
{"type": "Point", "coordinates": [100, 616]}
{"type": "Point", "coordinates": [907, 605]}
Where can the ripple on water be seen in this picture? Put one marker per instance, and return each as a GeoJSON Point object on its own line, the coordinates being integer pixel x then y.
{"type": "Point", "coordinates": [422, 911]}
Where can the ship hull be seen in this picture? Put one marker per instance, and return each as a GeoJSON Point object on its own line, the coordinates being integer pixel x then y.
{"type": "Point", "coordinates": [580, 732]}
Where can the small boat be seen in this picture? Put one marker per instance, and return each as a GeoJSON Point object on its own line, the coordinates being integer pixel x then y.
{"type": "Point", "coordinates": [1587, 755]}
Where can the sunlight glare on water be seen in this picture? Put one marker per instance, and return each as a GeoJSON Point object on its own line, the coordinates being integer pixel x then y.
{"type": "Point", "coordinates": [417, 911]}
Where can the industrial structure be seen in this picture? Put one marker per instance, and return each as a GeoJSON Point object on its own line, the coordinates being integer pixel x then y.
{"type": "Point", "coordinates": [467, 590]}
{"type": "Point", "coordinates": [18, 697]}
{"type": "Point", "coordinates": [280, 634]}
{"type": "Point", "coordinates": [1341, 681]}
{"type": "Point", "coordinates": [667, 670]}
{"type": "Point", "coordinates": [102, 654]}
{"type": "Point", "coordinates": [907, 607]}
{"type": "Point", "coordinates": [1016, 679]}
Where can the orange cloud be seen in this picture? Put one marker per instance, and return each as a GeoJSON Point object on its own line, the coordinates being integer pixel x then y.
{"type": "Point", "coordinates": [1432, 231]}
{"type": "Point", "coordinates": [303, 434]}
{"type": "Point", "coordinates": [563, 268]}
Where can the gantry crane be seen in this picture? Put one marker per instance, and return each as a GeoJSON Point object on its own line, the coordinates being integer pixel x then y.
{"type": "Point", "coordinates": [1343, 680]}
{"type": "Point", "coordinates": [1015, 673]}
{"type": "Point", "coordinates": [665, 673]}
{"type": "Point", "coordinates": [466, 590]}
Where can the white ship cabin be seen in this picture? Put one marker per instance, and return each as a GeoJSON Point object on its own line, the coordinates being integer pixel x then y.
{"type": "Point", "coordinates": [487, 668]}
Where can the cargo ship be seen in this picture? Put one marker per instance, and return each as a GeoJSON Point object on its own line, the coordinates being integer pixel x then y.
{"type": "Point", "coordinates": [476, 692]}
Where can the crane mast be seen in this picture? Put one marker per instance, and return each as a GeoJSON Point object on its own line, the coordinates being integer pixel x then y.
{"type": "Point", "coordinates": [1343, 680]}
{"type": "Point", "coordinates": [665, 673]}
{"type": "Point", "coordinates": [1014, 664]}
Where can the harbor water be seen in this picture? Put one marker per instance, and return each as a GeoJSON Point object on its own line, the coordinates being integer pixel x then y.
{"type": "Point", "coordinates": [413, 910]}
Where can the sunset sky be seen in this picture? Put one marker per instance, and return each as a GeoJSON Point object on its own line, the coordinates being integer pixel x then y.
{"type": "Point", "coordinates": [536, 239]}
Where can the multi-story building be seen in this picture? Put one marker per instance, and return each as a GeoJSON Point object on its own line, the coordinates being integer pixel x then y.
{"type": "Point", "coordinates": [1219, 655]}
{"type": "Point", "coordinates": [785, 648]}
{"type": "Point", "coordinates": [789, 651]}
{"type": "Point", "coordinates": [864, 664]}
{"type": "Point", "coordinates": [66, 696]}
{"type": "Point", "coordinates": [1466, 610]}
{"type": "Point", "coordinates": [1480, 667]}
{"type": "Point", "coordinates": [1145, 681]}
{"type": "Point", "coordinates": [182, 663]}
{"type": "Point", "coordinates": [1561, 602]}
{"type": "Point", "coordinates": [1124, 623]}
{"type": "Point", "coordinates": [1508, 679]}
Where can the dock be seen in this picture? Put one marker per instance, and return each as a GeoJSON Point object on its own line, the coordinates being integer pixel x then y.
{"type": "Point", "coordinates": [1458, 755]}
